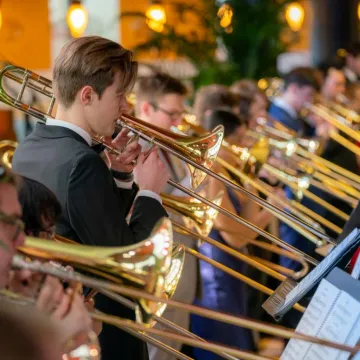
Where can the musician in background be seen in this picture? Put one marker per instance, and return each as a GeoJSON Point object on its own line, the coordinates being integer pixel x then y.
{"type": "Point", "coordinates": [160, 101]}
{"type": "Point", "coordinates": [247, 90]}
{"type": "Point", "coordinates": [70, 318]}
{"type": "Point", "coordinates": [300, 87]}
{"type": "Point", "coordinates": [352, 63]}
{"type": "Point", "coordinates": [212, 97]}
{"type": "Point", "coordinates": [91, 78]}
{"type": "Point", "coordinates": [220, 291]}
{"type": "Point", "coordinates": [334, 83]}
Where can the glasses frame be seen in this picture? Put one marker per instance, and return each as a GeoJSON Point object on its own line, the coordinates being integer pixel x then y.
{"type": "Point", "coordinates": [13, 220]}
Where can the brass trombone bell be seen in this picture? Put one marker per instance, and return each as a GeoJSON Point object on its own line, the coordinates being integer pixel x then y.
{"type": "Point", "coordinates": [144, 265]}
{"type": "Point", "coordinates": [195, 214]}
{"type": "Point", "coordinates": [201, 149]}
{"type": "Point", "coordinates": [7, 150]}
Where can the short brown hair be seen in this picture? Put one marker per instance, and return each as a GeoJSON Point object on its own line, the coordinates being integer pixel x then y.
{"type": "Point", "coordinates": [91, 60]}
{"type": "Point", "coordinates": [212, 97]}
{"type": "Point", "coordinates": [152, 87]}
{"type": "Point", "coordinates": [245, 87]}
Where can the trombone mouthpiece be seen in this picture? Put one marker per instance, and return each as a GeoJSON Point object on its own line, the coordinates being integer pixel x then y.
{"type": "Point", "coordinates": [274, 304]}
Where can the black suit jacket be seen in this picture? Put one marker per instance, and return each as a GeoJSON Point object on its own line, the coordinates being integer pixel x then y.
{"type": "Point", "coordinates": [94, 210]}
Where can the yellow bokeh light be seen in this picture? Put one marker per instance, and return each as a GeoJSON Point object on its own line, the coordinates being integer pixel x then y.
{"type": "Point", "coordinates": [225, 13]}
{"type": "Point", "coordinates": [156, 17]}
{"type": "Point", "coordinates": [77, 19]}
{"type": "Point", "coordinates": [294, 16]}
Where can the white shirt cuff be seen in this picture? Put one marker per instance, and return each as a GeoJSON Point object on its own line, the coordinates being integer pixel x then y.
{"type": "Point", "coordinates": [151, 194]}
{"type": "Point", "coordinates": [124, 184]}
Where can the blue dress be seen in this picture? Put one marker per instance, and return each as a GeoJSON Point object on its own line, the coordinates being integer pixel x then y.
{"type": "Point", "coordinates": [221, 292]}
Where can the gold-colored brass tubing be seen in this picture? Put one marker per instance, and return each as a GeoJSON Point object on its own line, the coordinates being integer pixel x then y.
{"type": "Point", "coordinates": [281, 269]}
{"type": "Point", "coordinates": [245, 178]}
{"type": "Point", "coordinates": [336, 183]}
{"type": "Point", "coordinates": [307, 193]}
{"type": "Point", "coordinates": [245, 258]}
{"type": "Point", "coordinates": [345, 142]}
{"type": "Point", "coordinates": [238, 321]}
{"type": "Point", "coordinates": [252, 283]}
{"type": "Point", "coordinates": [317, 217]}
{"type": "Point", "coordinates": [326, 166]}
{"type": "Point", "coordinates": [138, 294]}
{"type": "Point", "coordinates": [303, 209]}
{"type": "Point", "coordinates": [242, 257]}
{"type": "Point", "coordinates": [122, 323]}
{"type": "Point", "coordinates": [326, 114]}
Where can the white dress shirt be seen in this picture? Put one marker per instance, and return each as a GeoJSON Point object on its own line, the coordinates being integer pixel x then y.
{"type": "Point", "coordinates": [86, 136]}
{"type": "Point", "coordinates": [285, 106]}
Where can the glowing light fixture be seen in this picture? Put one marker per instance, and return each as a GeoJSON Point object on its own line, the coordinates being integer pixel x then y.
{"type": "Point", "coordinates": [156, 17]}
{"type": "Point", "coordinates": [359, 10]}
{"type": "Point", "coordinates": [294, 15]}
{"type": "Point", "coordinates": [225, 13]}
{"type": "Point", "coordinates": [77, 18]}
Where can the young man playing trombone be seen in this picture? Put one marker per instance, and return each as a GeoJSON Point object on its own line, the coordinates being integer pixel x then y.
{"type": "Point", "coordinates": [160, 101]}
{"type": "Point", "coordinates": [91, 78]}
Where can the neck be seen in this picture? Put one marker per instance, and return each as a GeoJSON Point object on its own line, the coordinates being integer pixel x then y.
{"type": "Point", "coordinates": [73, 116]}
{"type": "Point", "coordinates": [289, 99]}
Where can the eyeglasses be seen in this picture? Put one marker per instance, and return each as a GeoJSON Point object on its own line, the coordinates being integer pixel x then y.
{"type": "Point", "coordinates": [16, 223]}
{"type": "Point", "coordinates": [173, 115]}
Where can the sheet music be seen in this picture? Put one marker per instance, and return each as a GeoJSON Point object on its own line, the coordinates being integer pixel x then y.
{"type": "Point", "coordinates": [299, 291]}
{"type": "Point", "coordinates": [337, 327]}
{"type": "Point", "coordinates": [333, 314]}
{"type": "Point", "coordinates": [310, 323]}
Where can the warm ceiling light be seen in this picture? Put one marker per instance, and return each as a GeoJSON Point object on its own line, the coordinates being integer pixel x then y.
{"type": "Point", "coordinates": [225, 13]}
{"type": "Point", "coordinates": [77, 18]}
{"type": "Point", "coordinates": [294, 16]}
{"type": "Point", "coordinates": [156, 17]}
{"type": "Point", "coordinates": [359, 10]}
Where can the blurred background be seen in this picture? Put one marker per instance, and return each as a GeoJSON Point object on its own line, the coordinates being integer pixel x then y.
{"type": "Point", "coordinates": [198, 41]}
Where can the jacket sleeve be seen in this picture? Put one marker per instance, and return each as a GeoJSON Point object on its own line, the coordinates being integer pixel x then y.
{"type": "Point", "coordinates": [97, 208]}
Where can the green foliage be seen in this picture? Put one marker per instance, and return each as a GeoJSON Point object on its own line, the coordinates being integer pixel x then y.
{"type": "Point", "coordinates": [253, 46]}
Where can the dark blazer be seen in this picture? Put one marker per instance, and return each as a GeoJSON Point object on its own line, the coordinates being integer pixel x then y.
{"type": "Point", "coordinates": [94, 210]}
{"type": "Point", "coordinates": [297, 124]}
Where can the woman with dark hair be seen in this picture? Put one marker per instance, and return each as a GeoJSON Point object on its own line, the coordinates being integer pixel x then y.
{"type": "Point", "coordinates": [40, 209]}
{"type": "Point", "coordinates": [220, 291]}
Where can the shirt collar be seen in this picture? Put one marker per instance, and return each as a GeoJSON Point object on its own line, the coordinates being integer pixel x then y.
{"type": "Point", "coordinates": [351, 75]}
{"type": "Point", "coordinates": [286, 107]}
{"type": "Point", "coordinates": [55, 122]}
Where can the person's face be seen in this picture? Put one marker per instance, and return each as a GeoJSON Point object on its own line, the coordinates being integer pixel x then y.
{"type": "Point", "coordinates": [166, 112]}
{"type": "Point", "coordinates": [258, 107]}
{"type": "Point", "coordinates": [11, 232]}
{"type": "Point", "coordinates": [334, 84]}
{"type": "Point", "coordinates": [103, 112]}
{"type": "Point", "coordinates": [238, 135]}
{"type": "Point", "coordinates": [303, 95]}
{"type": "Point", "coordinates": [354, 63]}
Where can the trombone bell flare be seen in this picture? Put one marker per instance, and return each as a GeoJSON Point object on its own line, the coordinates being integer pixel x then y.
{"type": "Point", "coordinates": [194, 213]}
{"type": "Point", "coordinates": [143, 266]}
{"type": "Point", "coordinates": [202, 150]}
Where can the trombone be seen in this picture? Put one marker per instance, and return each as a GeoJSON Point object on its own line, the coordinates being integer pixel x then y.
{"type": "Point", "coordinates": [199, 154]}
{"type": "Point", "coordinates": [142, 295]}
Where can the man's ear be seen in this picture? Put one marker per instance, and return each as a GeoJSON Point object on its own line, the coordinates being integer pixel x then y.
{"type": "Point", "coordinates": [145, 108]}
{"type": "Point", "coordinates": [87, 95]}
